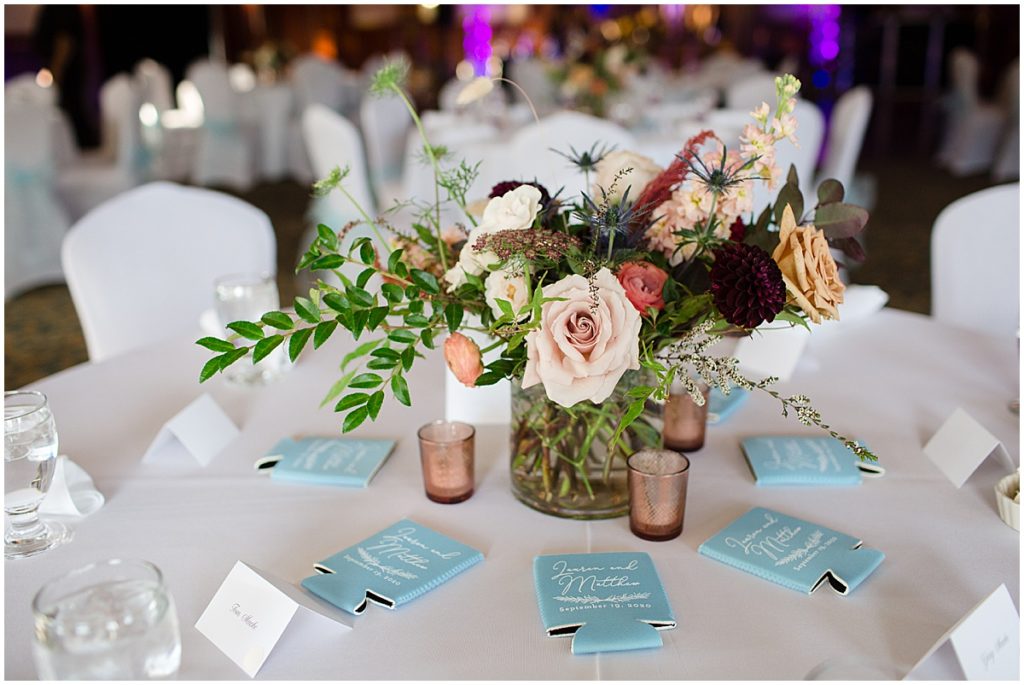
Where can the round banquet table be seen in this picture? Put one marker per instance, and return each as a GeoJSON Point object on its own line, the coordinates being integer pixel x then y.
{"type": "Point", "coordinates": [890, 379]}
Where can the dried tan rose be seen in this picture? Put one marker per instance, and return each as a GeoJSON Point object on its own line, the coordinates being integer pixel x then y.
{"type": "Point", "coordinates": [808, 269]}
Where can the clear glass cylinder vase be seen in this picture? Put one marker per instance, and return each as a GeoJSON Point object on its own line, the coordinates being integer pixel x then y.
{"type": "Point", "coordinates": [563, 459]}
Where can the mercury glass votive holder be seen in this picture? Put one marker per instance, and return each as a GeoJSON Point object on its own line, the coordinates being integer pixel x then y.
{"type": "Point", "coordinates": [657, 493]}
{"type": "Point", "coordinates": [685, 421]}
{"type": "Point", "coordinates": [447, 452]}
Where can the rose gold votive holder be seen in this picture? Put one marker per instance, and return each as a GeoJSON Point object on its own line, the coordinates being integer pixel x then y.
{"type": "Point", "coordinates": [657, 493]}
{"type": "Point", "coordinates": [685, 422]}
{"type": "Point", "coordinates": [446, 452]}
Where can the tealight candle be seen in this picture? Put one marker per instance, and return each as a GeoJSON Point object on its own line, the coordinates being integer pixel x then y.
{"type": "Point", "coordinates": [447, 453]}
{"type": "Point", "coordinates": [657, 493]}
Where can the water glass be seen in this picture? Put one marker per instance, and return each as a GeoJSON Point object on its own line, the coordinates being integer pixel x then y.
{"type": "Point", "coordinates": [657, 482]}
{"type": "Point", "coordinates": [685, 421]}
{"type": "Point", "coordinates": [112, 620]}
{"type": "Point", "coordinates": [247, 297]}
{"type": "Point", "coordinates": [447, 453]}
{"type": "Point", "coordinates": [30, 457]}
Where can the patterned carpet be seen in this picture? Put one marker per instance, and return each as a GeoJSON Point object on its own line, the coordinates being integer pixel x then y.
{"type": "Point", "coordinates": [42, 334]}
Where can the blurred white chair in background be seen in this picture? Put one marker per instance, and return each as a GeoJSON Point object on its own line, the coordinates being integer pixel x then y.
{"type": "Point", "coordinates": [224, 153]}
{"type": "Point", "coordinates": [142, 266]}
{"type": "Point", "coordinates": [155, 84]}
{"type": "Point", "coordinates": [751, 91]}
{"type": "Point", "coordinates": [532, 76]}
{"type": "Point", "coordinates": [846, 136]}
{"type": "Point", "coordinates": [34, 220]}
{"type": "Point", "coordinates": [122, 163]}
{"type": "Point", "coordinates": [975, 250]}
{"type": "Point", "coordinates": [1007, 164]}
{"type": "Point", "coordinates": [26, 90]}
{"type": "Point", "coordinates": [274, 104]}
{"type": "Point", "coordinates": [973, 127]}
{"type": "Point", "coordinates": [385, 121]}
{"type": "Point", "coordinates": [537, 150]}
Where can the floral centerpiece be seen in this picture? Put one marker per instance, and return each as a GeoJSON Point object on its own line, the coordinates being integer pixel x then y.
{"type": "Point", "coordinates": [587, 82]}
{"type": "Point", "coordinates": [597, 304]}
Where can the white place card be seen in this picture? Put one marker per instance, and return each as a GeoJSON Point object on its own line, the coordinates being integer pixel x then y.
{"type": "Point", "coordinates": [200, 430]}
{"type": "Point", "coordinates": [251, 610]}
{"type": "Point", "coordinates": [773, 351]}
{"type": "Point", "coordinates": [960, 445]}
{"type": "Point", "coordinates": [986, 641]}
{"type": "Point", "coordinates": [71, 492]}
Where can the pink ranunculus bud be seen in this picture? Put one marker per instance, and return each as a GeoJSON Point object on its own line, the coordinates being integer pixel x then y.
{"type": "Point", "coordinates": [463, 357]}
{"type": "Point", "coordinates": [643, 283]}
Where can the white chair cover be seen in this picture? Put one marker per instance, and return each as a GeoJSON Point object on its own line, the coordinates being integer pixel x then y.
{"type": "Point", "coordinates": [532, 76]}
{"type": "Point", "coordinates": [384, 121]}
{"type": "Point", "coordinates": [975, 262]}
{"type": "Point", "coordinates": [225, 152]}
{"type": "Point", "coordinates": [155, 84]}
{"type": "Point", "coordinates": [751, 91]}
{"type": "Point", "coordinates": [95, 180]}
{"type": "Point", "coordinates": [273, 105]}
{"type": "Point", "coordinates": [973, 127]}
{"type": "Point", "coordinates": [142, 266]}
{"type": "Point", "coordinates": [531, 153]}
{"type": "Point", "coordinates": [1007, 164]}
{"type": "Point", "coordinates": [846, 135]}
{"type": "Point", "coordinates": [316, 81]}
{"type": "Point", "coordinates": [34, 220]}
{"type": "Point", "coordinates": [24, 90]}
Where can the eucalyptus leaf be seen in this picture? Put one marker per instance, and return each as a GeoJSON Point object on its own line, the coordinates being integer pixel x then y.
{"type": "Point", "coordinates": [840, 220]}
{"type": "Point", "coordinates": [830, 191]}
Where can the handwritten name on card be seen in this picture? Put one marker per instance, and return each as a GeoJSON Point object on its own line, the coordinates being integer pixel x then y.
{"type": "Point", "coordinates": [250, 612]}
{"type": "Point", "coordinates": [960, 445]}
{"type": "Point", "coordinates": [987, 641]}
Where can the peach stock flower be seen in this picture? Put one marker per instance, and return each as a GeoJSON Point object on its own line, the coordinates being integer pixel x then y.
{"type": "Point", "coordinates": [643, 283]}
{"type": "Point", "coordinates": [464, 359]}
{"type": "Point", "coordinates": [808, 269]}
{"type": "Point", "coordinates": [586, 340]}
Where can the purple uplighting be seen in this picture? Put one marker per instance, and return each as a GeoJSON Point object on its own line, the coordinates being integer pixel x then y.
{"type": "Point", "coordinates": [476, 43]}
{"type": "Point", "coordinates": [824, 34]}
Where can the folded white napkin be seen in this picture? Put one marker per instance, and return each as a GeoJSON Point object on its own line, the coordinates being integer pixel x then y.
{"type": "Point", "coordinates": [72, 492]}
{"type": "Point", "coordinates": [861, 301]}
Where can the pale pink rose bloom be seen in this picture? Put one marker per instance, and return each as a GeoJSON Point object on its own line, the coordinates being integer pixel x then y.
{"type": "Point", "coordinates": [583, 347]}
{"type": "Point", "coordinates": [463, 357]}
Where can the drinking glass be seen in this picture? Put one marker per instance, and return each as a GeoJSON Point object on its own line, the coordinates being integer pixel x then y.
{"type": "Point", "coordinates": [30, 457]}
{"type": "Point", "coordinates": [657, 493]}
{"type": "Point", "coordinates": [247, 297]}
{"type": "Point", "coordinates": [446, 453]}
{"type": "Point", "coordinates": [112, 620]}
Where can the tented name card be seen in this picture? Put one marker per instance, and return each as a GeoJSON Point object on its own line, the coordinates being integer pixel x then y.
{"type": "Point", "coordinates": [326, 461]}
{"type": "Point", "coordinates": [986, 641]}
{"type": "Point", "coordinates": [960, 445]}
{"type": "Point", "coordinates": [605, 602]}
{"type": "Point", "coordinates": [800, 460]}
{"type": "Point", "coordinates": [391, 568]}
{"type": "Point", "coordinates": [792, 552]}
{"type": "Point", "coordinates": [199, 431]}
{"type": "Point", "coordinates": [251, 610]}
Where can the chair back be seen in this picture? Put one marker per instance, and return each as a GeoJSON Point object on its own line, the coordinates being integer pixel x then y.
{"type": "Point", "coordinates": [333, 141]}
{"type": "Point", "coordinates": [120, 101]}
{"type": "Point", "coordinates": [385, 121]}
{"type": "Point", "coordinates": [155, 84]}
{"type": "Point", "coordinates": [846, 136]}
{"type": "Point", "coordinates": [142, 266]}
{"type": "Point", "coordinates": [750, 91]}
{"type": "Point", "coordinates": [975, 262]}
{"type": "Point", "coordinates": [213, 83]}
{"type": "Point", "coordinates": [24, 89]}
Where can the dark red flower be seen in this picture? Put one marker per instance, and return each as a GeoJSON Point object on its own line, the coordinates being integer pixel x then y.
{"type": "Point", "coordinates": [738, 230]}
{"type": "Point", "coordinates": [746, 285]}
{"type": "Point", "coordinates": [508, 186]}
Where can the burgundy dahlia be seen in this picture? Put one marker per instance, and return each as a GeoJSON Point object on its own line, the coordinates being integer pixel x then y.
{"type": "Point", "coordinates": [738, 230]}
{"type": "Point", "coordinates": [509, 186]}
{"type": "Point", "coordinates": [746, 285]}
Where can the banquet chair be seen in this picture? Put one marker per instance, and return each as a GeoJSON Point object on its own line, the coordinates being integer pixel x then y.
{"type": "Point", "coordinates": [531, 75]}
{"type": "Point", "coordinates": [122, 162]}
{"type": "Point", "coordinates": [973, 126]}
{"type": "Point", "coordinates": [385, 121]}
{"type": "Point", "coordinates": [314, 81]}
{"type": "Point", "coordinates": [975, 262]}
{"type": "Point", "coordinates": [141, 267]}
{"type": "Point", "coordinates": [34, 220]}
{"type": "Point", "coordinates": [24, 89]}
{"type": "Point", "coordinates": [537, 150]}
{"type": "Point", "coordinates": [750, 91]}
{"type": "Point", "coordinates": [155, 84]}
{"type": "Point", "coordinates": [846, 136]}
{"type": "Point", "coordinates": [1007, 165]}
{"type": "Point", "coordinates": [224, 153]}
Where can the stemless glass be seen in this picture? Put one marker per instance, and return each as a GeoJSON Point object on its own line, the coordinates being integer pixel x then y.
{"type": "Point", "coordinates": [446, 454]}
{"type": "Point", "coordinates": [657, 493]}
{"type": "Point", "coordinates": [30, 456]}
{"type": "Point", "coordinates": [112, 620]}
{"type": "Point", "coordinates": [247, 297]}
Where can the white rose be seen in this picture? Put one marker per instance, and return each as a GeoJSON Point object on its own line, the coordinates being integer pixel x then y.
{"type": "Point", "coordinates": [455, 277]}
{"type": "Point", "coordinates": [501, 285]}
{"type": "Point", "coordinates": [644, 170]}
{"type": "Point", "coordinates": [581, 349]}
{"type": "Point", "coordinates": [514, 210]}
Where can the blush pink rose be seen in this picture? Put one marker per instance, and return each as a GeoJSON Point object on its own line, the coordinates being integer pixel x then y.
{"type": "Point", "coordinates": [643, 283]}
{"type": "Point", "coordinates": [463, 357]}
{"type": "Point", "coordinates": [586, 340]}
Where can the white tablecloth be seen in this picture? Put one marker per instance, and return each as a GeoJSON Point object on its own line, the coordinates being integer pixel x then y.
{"type": "Point", "coordinates": [890, 380]}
